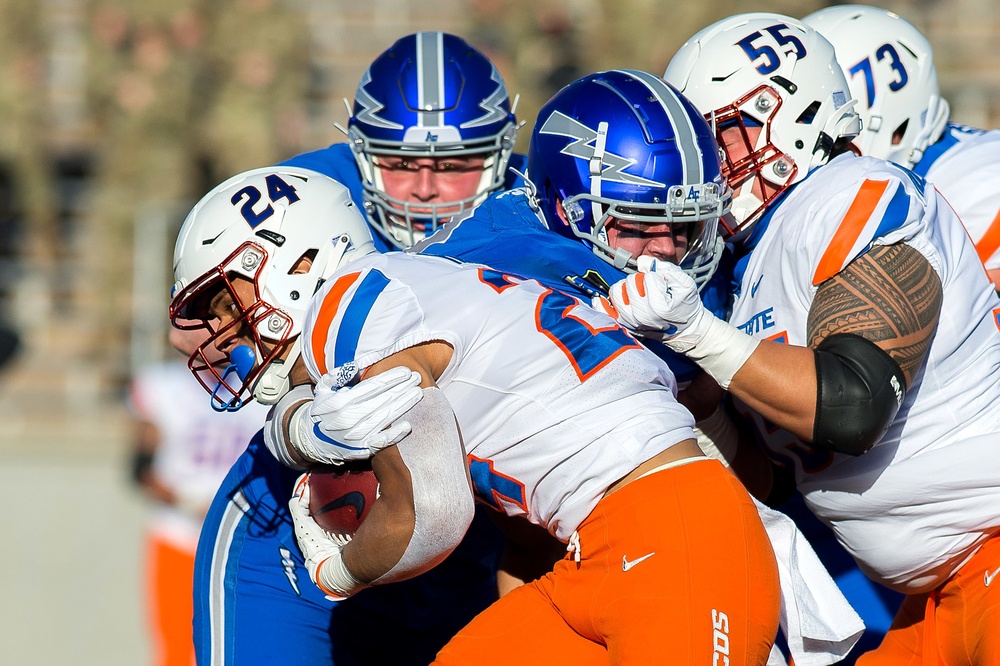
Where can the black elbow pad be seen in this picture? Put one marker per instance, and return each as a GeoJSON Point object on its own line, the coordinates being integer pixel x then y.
{"type": "Point", "coordinates": [860, 389]}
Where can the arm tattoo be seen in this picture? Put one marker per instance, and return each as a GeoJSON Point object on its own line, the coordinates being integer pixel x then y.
{"type": "Point", "coordinates": [890, 295]}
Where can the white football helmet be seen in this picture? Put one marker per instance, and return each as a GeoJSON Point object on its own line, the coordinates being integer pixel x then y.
{"type": "Point", "coordinates": [889, 66]}
{"type": "Point", "coordinates": [261, 225]}
{"type": "Point", "coordinates": [773, 72]}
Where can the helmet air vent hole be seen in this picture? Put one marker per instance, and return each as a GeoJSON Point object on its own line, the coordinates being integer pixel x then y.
{"type": "Point", "coordinates": [900, 132]}
{"type": "Point", "coordinates": [809, 114]}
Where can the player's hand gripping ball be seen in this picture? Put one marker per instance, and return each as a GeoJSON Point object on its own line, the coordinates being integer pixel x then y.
{"type": "Point", "coordinates": [341, 496]}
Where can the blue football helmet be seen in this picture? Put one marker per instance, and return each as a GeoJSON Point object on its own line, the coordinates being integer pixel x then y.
{"type": "Point", "coordinates": [429, 95]}
{"type": "Point", "coordinates": [633, 148]}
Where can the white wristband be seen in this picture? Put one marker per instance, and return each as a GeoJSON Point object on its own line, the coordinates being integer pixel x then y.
{"type": "Point", "coordinates": [721, 350]}
{"type": "Point", "coordinates": [334, 578]}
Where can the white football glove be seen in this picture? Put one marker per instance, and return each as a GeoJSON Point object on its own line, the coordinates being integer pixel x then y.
{"type": "Point", "coordinates": [322, 550]}
{"type": "Point", "coordinates": [661, 301]}
{"type": "Point", "coordinates": [354, 422]}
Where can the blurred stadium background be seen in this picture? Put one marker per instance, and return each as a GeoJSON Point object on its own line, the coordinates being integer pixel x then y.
{"type": "Point", "coordinates": [115, 116]}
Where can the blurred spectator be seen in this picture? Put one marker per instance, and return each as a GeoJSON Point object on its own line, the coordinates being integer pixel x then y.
{"type": "Point", "coordinates": [10, 341]}
{"type": "Point", "coordinates": [146, 61]}
{"type": "Point", "coordinates": [22, 133]}
{"type": "Point", "coordinates": [257, 59]}
{"type": "Point", "coordinates": [182, 452]}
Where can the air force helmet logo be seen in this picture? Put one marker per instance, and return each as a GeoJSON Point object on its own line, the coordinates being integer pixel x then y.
{"type": "Point", "coordinates": [588, 145]}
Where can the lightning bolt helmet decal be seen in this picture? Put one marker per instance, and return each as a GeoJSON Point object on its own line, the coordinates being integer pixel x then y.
{"type": "Point", "coordinates": [625, 145]}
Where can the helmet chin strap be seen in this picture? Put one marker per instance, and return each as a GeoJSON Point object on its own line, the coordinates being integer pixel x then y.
{"type": "Point", "coordinates": [745, 202]}
{"type": "Point", "coordinates": [342, 255]}
{"type": "Point", "coordinates": [273, 381]}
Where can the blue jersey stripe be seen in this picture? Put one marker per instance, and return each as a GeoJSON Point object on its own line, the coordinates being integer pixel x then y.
{"type": "Point", "coordinates": [356, 315]}
{"type": "Point", "coordinates": [895, 213]}
{"type": "Point", "coordinates": [934, 152]}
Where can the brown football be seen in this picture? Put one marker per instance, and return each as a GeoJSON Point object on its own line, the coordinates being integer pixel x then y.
{"type": "Point", "coordinates": [340, 497]}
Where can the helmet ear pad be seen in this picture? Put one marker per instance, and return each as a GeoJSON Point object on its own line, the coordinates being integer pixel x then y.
{"type": "Point", "coordinates": [624, 145]}
{"type": "Point", "coordinates": [430, 95]}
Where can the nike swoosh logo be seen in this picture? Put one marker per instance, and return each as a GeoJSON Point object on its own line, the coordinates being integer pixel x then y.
{"type": "Point", "coordinates": [988, 577]}
{"type": "Point", "coordinates": [753, 289]}
{"type": "Point", "coordinates": [353, 498]}
{"type": "Point", "coordinates": [322, 436]}
{"type": "Point", "coordinates": [209, 241]}
{"type": "Point", "coordinates": [626, 565]}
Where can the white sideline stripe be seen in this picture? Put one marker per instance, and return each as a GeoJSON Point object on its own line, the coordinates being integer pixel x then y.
{"type": "Point", "coordinates": [235, 511]}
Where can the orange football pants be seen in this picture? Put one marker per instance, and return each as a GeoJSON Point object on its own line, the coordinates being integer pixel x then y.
{"type": "Point", "coordinates": [958, 624]}
{"type": "Point", "coordinates": [170, 598]}
{"type": "Point", "coordinates": [675, 568]}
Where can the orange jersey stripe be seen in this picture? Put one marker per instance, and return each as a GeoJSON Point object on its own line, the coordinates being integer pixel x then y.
{"type": "Point", "coordinates": [990, 241]}
{"type": "Point", "coordinates": [327, 311]}
{"type": "Point", "coordinates": [851, 226]}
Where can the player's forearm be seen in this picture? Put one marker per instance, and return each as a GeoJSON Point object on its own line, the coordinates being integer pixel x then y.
{"type": "Point", "coordinates": [779, 383]}
{"type": "Point", "coordinates": [382, 539]}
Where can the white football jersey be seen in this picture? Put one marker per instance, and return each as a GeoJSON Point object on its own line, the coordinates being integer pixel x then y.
{"type": "Point", "coordinates": [197, 444]}
{"type": "Point", "coordinates": [917, 505]}
{"type": "Point", "coordinates": [965, 167]}
{"type": "Point", "coordinates": [555, 401]}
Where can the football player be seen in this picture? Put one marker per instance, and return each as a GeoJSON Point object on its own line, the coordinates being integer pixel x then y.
{"type": "Point", "coordinates": [431, 135]}
{"type": "Point", "coordinates": [660, 138]}
{"type": "Point", "coordinates": [889, 67]}
{"type": "Point", "coordinates": [559, 416]}
{"type": "Point", "coordinates": [863, 341]}
{"type": "Point", "coordinates": [646, 130]}
{"type": "Point", "coordinates": [638, 171]}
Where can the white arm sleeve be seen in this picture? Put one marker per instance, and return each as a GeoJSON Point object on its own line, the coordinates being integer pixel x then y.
{"type": "Point", "coordinates": [442, 494]}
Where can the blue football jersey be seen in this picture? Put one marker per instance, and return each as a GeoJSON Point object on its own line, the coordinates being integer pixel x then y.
{"type": "Point", "coordinates": [508, 233]}
{"type": "Point", "coordinates": [337, 162]}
